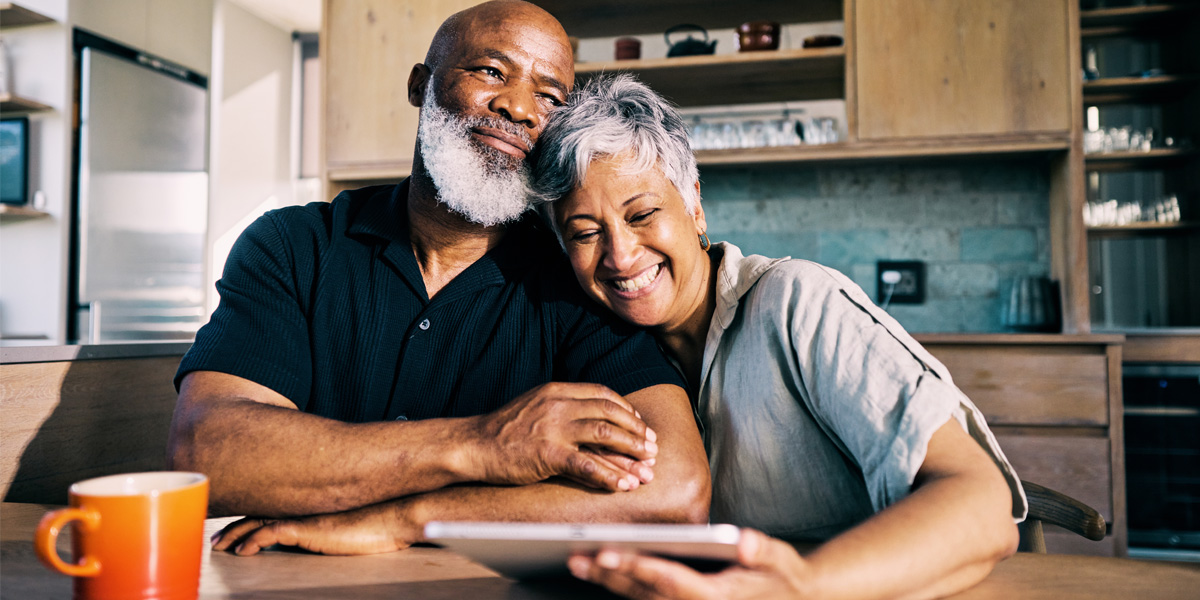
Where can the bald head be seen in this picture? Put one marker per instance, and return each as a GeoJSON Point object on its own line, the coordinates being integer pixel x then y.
{"type": "Point", "coordinates": [490, 14]}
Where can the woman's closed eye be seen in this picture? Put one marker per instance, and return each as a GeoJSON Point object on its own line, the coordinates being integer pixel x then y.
{"type": "Point", "coordinates": [643, 216]}
{"type": "Point", "coordinates": [585, 236]}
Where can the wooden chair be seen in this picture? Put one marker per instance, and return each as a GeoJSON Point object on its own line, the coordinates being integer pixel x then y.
{"type": "Point", "coordinates": [1049, 506]}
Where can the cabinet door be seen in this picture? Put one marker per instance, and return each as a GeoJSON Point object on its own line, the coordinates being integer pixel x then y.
{"type": "Point", "coordinates": [930, 68]}
{"type": "Point", "coordinates": [369, 49]}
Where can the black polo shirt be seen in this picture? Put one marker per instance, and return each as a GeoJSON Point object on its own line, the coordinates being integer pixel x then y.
{"type": "Point", "coordinates": [325, 304]}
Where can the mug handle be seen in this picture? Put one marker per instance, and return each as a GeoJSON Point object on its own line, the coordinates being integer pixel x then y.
{"type": "Point", "coordinates": [46, 538]}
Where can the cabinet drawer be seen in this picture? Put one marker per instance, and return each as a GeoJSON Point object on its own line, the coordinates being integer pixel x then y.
{"type": "Point", "coordinates": [1075, 466]}
{"type": "Point", "coordinates": [1030, 385]}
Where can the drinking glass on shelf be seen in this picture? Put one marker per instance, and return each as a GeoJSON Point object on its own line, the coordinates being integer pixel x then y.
{"type": "Point", "coordinates": [829, 132]}
{"type": "Point", "coordinates": [1120, 138]}
{"type": "Point", "coordinates": [1093, 141]}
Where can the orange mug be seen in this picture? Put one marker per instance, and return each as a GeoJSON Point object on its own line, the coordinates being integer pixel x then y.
{"type": "Point", "coordinates": [137, 535]}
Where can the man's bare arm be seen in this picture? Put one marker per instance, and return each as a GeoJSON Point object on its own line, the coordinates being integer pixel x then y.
{"type": "Point", "coordinates": [266, 458]}
{"type": "Point", "coordinates": [679, 492]}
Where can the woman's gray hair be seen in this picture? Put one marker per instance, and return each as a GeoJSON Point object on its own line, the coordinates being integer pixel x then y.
{"type": "Point", "coordinates": [608, 116]}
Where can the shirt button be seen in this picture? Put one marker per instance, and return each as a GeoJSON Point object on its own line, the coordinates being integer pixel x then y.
{"type": "Point", "coordinates": [424, 325]}
{"type": "Point", "coordinates": [401, 418]}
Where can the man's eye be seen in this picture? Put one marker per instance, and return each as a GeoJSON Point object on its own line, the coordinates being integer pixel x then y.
{"type": "Point", "coordinates": [490, 71]}
{"type": "Point", "coordinates": [554, 101]}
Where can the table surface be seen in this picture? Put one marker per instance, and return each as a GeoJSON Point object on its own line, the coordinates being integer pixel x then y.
{"type": "Point", "coordinates": [434, 573]}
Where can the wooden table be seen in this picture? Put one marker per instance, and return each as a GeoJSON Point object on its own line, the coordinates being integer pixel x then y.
{"type": "Point", "coordinates": [433, 573]}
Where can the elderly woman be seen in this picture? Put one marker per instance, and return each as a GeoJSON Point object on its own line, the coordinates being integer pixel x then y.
{"type": "Point", "coordinates": [823, 419]}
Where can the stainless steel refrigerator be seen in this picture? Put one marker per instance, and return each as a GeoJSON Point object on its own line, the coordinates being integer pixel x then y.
{"type": "Point", "coordinates": [141, 197]}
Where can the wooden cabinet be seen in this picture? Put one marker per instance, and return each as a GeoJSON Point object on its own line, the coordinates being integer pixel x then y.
{"type": "Point", "coordinates": [937, 68]}
{"type": "Point", "coordinates": [368, 48]}
{"type": "Point", "coordinates": [1054, 403]}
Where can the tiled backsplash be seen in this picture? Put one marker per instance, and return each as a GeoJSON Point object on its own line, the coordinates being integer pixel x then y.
{"type": "Point", "coordinates": [976, 224]}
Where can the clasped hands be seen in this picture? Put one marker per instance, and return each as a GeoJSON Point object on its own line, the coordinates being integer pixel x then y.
{"type": "Point", "coordinates": [585, 433]}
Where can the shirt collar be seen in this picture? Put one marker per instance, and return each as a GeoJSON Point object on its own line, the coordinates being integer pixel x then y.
{"type": "Point", "coordinates": [385, 217]}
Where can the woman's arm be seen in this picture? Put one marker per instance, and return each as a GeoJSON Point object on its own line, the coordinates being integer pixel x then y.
{"type": "Point", "coordinates": [943, 538]}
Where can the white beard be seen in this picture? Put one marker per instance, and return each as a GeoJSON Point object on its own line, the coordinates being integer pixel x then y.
{"type": "Point", "coordinates": [484, 185]}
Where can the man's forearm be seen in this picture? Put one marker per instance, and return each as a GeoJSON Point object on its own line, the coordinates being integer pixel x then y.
{"type": "Point", "coordinates": [276, 462]}
{"type": "Point", "coordinates": [680, 491]}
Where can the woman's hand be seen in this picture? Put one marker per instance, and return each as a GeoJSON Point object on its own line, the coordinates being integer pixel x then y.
{"type": "Point", "coordinates": [767, 568]}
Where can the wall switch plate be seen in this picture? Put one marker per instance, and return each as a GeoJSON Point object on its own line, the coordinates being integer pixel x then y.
{"type": "Point", "coordinates": [910, 289]}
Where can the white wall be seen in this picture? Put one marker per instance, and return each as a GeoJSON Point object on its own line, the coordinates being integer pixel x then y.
{"type": "Point", "coordinates": [250, 69]}
{"type": "Point", "coordinates": [251, 90]}
{"type": "Point", "coordinates": [33, 252]}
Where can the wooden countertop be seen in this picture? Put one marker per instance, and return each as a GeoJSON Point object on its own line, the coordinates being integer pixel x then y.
{"type": "Point", "coordinates": [433, 573]}
{"type": "Point", "coordinates": [1019, 338]}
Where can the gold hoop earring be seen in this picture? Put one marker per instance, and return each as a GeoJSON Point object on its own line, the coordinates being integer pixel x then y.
{"type": "Point", "coordinates": [705, 243]}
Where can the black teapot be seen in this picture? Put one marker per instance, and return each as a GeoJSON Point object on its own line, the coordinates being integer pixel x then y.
{"type": "Point", "coordinates": [690, 46]}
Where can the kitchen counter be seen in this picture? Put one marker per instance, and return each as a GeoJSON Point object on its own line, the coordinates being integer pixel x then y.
{"type": "Point", "coordinates": [37, 354]}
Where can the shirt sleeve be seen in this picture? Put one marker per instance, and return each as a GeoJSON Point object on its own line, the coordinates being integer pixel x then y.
{"type": "Point", "coordinates": [596, 347]}
{"type": "Point", "coordinates": [259, 331]}
{"type": "Point", "coordinates": [877, 393]}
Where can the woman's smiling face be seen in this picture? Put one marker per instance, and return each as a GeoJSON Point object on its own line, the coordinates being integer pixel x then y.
{"type": "Point", "coordinates": [633, 245]}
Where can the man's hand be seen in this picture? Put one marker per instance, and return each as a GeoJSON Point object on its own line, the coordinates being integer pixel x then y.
{"type": "Point", "coordinates": [768, 568]}
{"type": "Point", "coordinates": [369, 530]}
{"type": "Point", "coordinates": [584, 432]}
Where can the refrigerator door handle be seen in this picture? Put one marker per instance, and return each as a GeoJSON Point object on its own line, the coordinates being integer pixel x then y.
{"type": "Point", "coordinates": [93, 322]}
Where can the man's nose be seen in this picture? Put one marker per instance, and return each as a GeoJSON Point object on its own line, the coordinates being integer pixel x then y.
{"type": "Point", "coordinates": [518, 104]}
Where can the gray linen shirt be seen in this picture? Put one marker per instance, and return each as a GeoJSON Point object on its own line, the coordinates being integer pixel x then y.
{"type": "Point", "coordinates": [816, 406]}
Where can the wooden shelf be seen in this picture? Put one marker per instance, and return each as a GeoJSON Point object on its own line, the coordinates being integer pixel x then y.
{"type": "Point", "coordinates": [1129, 161]}
{"type": "Point", "coordinates": [627, 17]}
{"type": "Point", "coordinates": [365, 172]}
{"type": "Point", "coordinates": [1117, 90]}
{"type": "Point", "coordinates": [15, 15]}
{"type": "Point", "coordinates": [769, 76]}
{"type": "Point", "coordinates": [1165, 347]}
{"type": "Point", "coordinates": [20, 212]}
{"type": "Point", "coordinates": [16, 104]}
{"type": "Point", "coordinates": [1126, 16]}
{"type": "Point", "coordinates": [1143, 229]}
{"type": "Point", "coordinates": [865, 151]}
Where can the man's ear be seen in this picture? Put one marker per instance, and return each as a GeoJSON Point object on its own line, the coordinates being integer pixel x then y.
{"type": "Point", "coordinates": [417, 80]}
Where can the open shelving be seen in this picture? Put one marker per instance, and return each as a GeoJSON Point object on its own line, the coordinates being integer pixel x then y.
{"type": "Point", "coordinates": [626, 17]}
{"type": "Point", "coordinates": [1129, 20]}
{"type": "Point", "coordinates": [15, 15]}
{"type": "Point", "coordinates": [20, 212]}
{"type": "Point", "coordinates": [767, 76]}
{"type": "Point", "coordinates": [16, 104]}
{"type": "Point", "coordinates": [1124, 161]}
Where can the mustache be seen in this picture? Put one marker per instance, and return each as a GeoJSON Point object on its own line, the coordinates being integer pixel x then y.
{"type": "Point", "coordinates": [502, 124]}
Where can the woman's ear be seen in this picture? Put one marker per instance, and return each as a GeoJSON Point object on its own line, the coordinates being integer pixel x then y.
{"type": "Point", "coordinates": [701, 224]}
{"type": "Point", "coordinates": [418, 78]}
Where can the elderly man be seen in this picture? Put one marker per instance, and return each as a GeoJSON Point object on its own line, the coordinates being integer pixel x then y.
{"type": "Point", "coordinates": [421, 352]}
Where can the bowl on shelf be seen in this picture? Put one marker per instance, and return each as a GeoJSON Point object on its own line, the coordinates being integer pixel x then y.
{"type": "Point", "coordinates": [758, 35]}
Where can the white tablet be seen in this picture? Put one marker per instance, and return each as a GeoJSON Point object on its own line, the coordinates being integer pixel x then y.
{"type": "Point", "coordinates": [531, 550]}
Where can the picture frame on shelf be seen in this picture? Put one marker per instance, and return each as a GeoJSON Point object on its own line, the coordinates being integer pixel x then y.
{"type": "Point", "coordinates": [14, 160]}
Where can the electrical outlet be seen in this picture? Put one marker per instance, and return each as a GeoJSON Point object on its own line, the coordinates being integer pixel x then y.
{"type": "Point", "coordinates": [909, 286]}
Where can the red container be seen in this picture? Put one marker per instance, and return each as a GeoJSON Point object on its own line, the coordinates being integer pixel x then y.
{"type": "Point", "coordinates": [758, 35]}
{"type": "Point", "coordinates": [628, 48]}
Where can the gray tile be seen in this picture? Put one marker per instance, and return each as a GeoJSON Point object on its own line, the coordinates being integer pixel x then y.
{"type": "Point", "coordinates": [954, 280]}
{"type": "Point", "coordinates": [996, 244]}
{"type": "Point", "coordinates": [864, 276]}
{"type": "Point", "coordinates": [799, 244]}
{"type": "Point", "coordinates": [927, 244]}
{"type": "Point", "coordinates": [961, 210]}
{"type": "Point", "coordinates": [889, 211]}
{"type": "Point", "coordinates": [849, 247]}
{"type": "Point", "coordinates": [1022, 208]}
